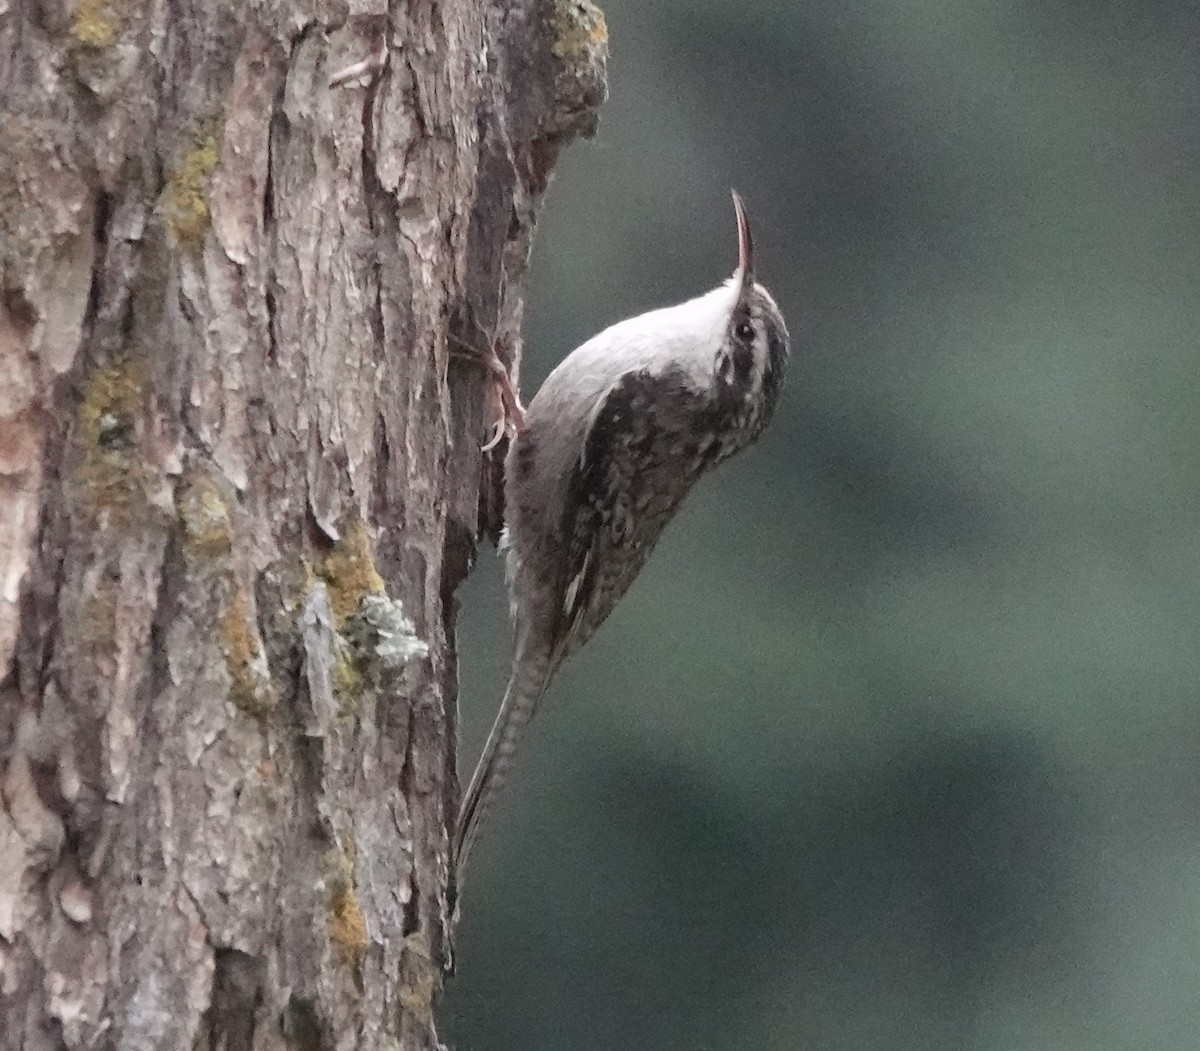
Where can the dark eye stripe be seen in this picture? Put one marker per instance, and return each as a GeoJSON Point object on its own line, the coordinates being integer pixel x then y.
{"type": "Point", "coordinates": [743, 323]}
{"type": "Point", "coordinates": [743, 365]}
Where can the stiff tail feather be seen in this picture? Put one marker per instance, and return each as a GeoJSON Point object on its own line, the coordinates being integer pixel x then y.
{"type": "Point", "coordinates": [528, 683]}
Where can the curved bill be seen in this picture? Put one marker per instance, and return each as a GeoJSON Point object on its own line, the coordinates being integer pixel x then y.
{"type": "Point", "coordinates": [745, 270]}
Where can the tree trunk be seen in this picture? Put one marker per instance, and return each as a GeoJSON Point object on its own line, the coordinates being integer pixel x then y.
{"type": "Point", "coordinates": [240, 481]}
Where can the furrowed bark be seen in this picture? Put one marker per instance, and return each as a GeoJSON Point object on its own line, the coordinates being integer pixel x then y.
{"type": "Point", "coordinates": [240, 481]}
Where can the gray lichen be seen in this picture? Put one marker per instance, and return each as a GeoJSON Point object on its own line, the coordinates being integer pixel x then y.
{"type": "Point", "coordinates": [380, 631]}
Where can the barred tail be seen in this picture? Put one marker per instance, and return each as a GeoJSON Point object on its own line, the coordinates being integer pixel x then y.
{"type": "Point", "coordinates": [530, 677]}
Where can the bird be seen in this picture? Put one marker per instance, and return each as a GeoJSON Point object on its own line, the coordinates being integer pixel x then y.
{"type": "Point", "coordinates": [597, 465]}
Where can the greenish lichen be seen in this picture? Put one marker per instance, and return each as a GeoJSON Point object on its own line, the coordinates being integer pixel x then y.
{"type": "Point", "coordinates": [347, 925]}
{"type": "Point", "coordinates": [349, 571]}
{"type": "Point", "coordinates": [249, 686]}
{"type": "Point", "coordinates": [96, 24]}
{"type": "Point", "coordinates": [207, 531]}
{"type": "Point", "coordinates": [111, 472]}
{"type": "Point", "coordinates": [185, 205]}
{"type": "Point", "coordinates": [580, 33]}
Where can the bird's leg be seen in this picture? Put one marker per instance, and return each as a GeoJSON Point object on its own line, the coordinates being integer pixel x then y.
{"type": "Point", "coordinates": [505, 406]}
{"type": "Point", "coordinates": [509, 412]}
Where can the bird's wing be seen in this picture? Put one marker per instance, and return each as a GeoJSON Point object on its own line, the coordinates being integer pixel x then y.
{"type": "Point", "coordinates": [599, 502]}
{"type": "Point", "coordinates": [599, 507]}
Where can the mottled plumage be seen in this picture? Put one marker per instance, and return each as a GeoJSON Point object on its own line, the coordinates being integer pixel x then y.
{"type": "Point", "coordinates": [611, 444]}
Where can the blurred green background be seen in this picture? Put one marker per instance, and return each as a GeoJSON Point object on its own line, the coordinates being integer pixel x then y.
{"type": "Point", "coordinates": [896, 742]}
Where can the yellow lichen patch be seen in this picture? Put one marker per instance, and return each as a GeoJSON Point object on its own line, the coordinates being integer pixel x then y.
{"type": "Point", "coordinates": [207, 531]}
{"type": "Point", "coordinates": [185, 196]}
{"type": "Point", "coordinates": [96, 23]}
{"type": "Point", "coordinates": [580, 31]}
{"type": "Point", "coordinates": [249, 689]}
{"type": "Point", "coordinates": [111, 470]}
{"type": "Point", "coordinates": [347, 682]}
{"type": "Point", "coordinates": [349, 571]}
{"type": "Point", "coordinates": [418, 978]}
{"type": "Point", "coordinates": [347, 925]}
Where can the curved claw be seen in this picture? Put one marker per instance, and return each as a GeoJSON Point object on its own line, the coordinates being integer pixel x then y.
{"type": "Point", "coordinates": [510, 414]}
{"type": "Point", "coordinates": [499, 429]}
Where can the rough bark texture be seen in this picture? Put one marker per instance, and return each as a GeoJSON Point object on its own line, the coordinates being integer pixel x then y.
{"type": "Point", "coordinates": [240, 480]}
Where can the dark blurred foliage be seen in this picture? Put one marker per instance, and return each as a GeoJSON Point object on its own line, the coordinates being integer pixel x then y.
{"type": "Point", "coordinates": [896, 742]}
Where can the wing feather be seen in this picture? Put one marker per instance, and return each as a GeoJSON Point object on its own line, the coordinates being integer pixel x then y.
{"type": "Point", "coordinates": [599, 511]}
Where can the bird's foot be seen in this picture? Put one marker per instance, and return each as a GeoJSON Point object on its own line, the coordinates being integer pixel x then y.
{"type": "Point", "coordinates": [504, 405]}
{"type": "Point", "coordinates": [506, 410]}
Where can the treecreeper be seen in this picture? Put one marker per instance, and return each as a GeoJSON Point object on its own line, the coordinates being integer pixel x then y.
{"type": "Point", "coordinates": [600, 462]}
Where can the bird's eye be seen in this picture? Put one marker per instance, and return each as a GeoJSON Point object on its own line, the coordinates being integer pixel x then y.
{"type": "Point", "coordinates": [744, 331]}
